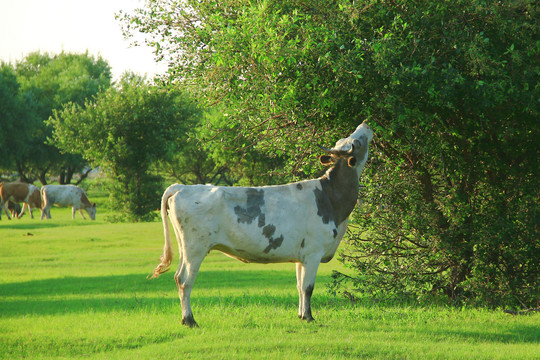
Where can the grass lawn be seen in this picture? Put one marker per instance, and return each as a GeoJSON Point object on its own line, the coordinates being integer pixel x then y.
{"type": "Point", "coordinates": [78, 289]}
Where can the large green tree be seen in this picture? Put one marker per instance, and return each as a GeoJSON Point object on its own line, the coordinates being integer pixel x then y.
{"type": "Point", "coordinates": [47, 82]}
{"type": "Point", "coordinates": [451, 89]}
{"type": "Point", "coordinates": [11, 133]}
{"type": "Point", "coordinates": [125, 130]}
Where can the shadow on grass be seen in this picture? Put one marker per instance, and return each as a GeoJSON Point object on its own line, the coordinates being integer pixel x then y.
{"type": "Point", "coordinates": [127, 284]}
{"type": "Point", "coordinates": [27, 226]}
{"type": "Point", "coordinates": [40, 224]}
{"type": "Point", "coordinates": [128, 292]}
{"type": "Point", "coordinates": [235, 289]}
{"type": "Point", "coordinates": [516, 334]}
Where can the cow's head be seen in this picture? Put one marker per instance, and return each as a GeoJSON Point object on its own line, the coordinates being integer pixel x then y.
{"type": "Point", "coordinates": [92, 211]}
{"type": "Point", "coordinates": [354, 149]}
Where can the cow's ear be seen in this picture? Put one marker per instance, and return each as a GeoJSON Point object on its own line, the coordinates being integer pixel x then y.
{"type": "Point", "coordinates": [94, 205]}
{"type": "Point", "coordinates": [326, 159]}
{"type": "Point", "coordinates": [351, 161]}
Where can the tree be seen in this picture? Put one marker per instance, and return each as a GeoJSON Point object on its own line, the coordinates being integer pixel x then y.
{"type": "Point", "coordinates": [217, 153]}
{"type": "Point", "coordinates": [125, 130]}
{"type": "Point", "coordinates": [17, 121]}
{"type": "Point", "coordinates": [451, 204]}
{"type": "Point", "coordinates": [46, 83]}
{"type": "Point", "coordinates": [10, 112]}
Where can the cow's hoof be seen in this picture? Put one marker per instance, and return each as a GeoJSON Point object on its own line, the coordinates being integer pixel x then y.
{"type": "Point", "coordinates": [189, 321]}
{"type": "Point", "coordinates": [306, 318]}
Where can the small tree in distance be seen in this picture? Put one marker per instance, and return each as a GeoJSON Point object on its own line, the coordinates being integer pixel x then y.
{"type": "Point", "coordinates": [125, 130]}
{"type": "Point", "coordinates": [30, 90]}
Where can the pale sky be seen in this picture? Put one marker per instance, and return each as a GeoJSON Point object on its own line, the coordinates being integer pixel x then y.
{"type": "Point", "coordinates": [73, 26]}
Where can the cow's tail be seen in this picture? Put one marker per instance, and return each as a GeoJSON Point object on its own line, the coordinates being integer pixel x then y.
{"type": "Point", "coordinates": [166, 257]}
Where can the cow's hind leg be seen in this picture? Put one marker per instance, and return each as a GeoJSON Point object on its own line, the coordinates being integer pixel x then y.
{"type": "Point", "coordinates": [4, 206]}
{"type": "Point", "coordinates": [306, 273]}
{"type": "Point", "coordinates": [185, 278]}
{"type": "Point", "coordinates": [44, 208]}
{"type": "Point", "coordinates": [46, 211]}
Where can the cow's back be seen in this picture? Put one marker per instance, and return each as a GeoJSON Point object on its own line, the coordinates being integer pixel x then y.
{"type": "Point", "coordinates": [62, 195]}
{"type": "Point", "coordinates": [34, 196]}
{"type": "Point", "coordinates": [16, 192]}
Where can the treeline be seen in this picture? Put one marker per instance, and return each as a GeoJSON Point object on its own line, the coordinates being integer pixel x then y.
{"type": "Point", "coordinates": [29, 92]}
{"type": "Point", "coordinates": [61, 115]}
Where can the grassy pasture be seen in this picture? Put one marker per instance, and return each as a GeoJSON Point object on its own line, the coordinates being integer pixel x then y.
{"type": "Point", "coordinates": [78, 289]}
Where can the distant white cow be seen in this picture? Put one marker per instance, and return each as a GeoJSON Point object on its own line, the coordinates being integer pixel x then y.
{"type": "Point", "coordinates": [301, 222]}
{"type": "Point", "coordinates": [66, 195]}
{"type": "Point", "coordinates": [17, 192]}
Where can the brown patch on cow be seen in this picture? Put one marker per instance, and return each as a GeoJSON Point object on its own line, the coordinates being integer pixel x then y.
{"type": "Point", "coordinates": [274, 244]}
{"type": "Point", "coordinates": [299, 186]}
{"type": "Point", "coordinates": [85, 201]}
{"type": "Point", "coordinates": [252, 210]}
{"type": "Point", "coordinates": [35, 199]}
{"type": "Point", "coordinates": [15, 192]}
{"type": "Point", "coordinates": [262, 220]}
{"type": "Point", "coordinates": [324, 206]}
{"type": "Point", "coordinates": [339, 187]}
{"type": "Point", "coordinates": [268, 232]}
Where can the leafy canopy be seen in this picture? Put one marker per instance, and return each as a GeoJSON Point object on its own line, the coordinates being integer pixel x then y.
{"type": "Point", "coordinates": [451, 89]}
{"type": "Point", "coordinates": [44, 83]}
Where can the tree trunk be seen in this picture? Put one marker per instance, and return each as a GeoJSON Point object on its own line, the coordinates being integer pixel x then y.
{"type": "Point", "coordinates": [69, 174]}
{"type": "Point", "coordinates": [23, 177]}
{"type": "Point", "coordinates": [43, 177]}
{"type": "Point", "coordinates": [62, 177]}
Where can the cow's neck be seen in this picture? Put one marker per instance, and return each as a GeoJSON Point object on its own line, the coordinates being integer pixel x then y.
{"type": "Point", "coordinates": [340, 184]}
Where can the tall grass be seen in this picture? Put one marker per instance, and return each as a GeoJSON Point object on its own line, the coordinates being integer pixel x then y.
{"type": "Point", "coordinates": [78, 289]}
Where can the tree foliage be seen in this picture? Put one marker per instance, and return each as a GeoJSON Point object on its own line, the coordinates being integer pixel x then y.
{"type": "Point", "coordinates": [12, 129]}
{"type": "Point", "coordinates": [44, 83]}
{"type": "Point", "coordinates": [451, 196]}
{"type": "Point", "coordinates": [125, 130]}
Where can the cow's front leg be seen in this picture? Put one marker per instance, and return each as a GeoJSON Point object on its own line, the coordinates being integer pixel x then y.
{"type": "Point", "coordinates": [306, 283]}
{"type": "Point", "coordinates": [82, 214]}
{"type": "Point", "coordinates": [299, 276]}
{"type": "Point", "coordinates": [23, 210]}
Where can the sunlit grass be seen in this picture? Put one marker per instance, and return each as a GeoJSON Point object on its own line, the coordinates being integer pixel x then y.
{"type": "Point", "coordinates": [78, 289]}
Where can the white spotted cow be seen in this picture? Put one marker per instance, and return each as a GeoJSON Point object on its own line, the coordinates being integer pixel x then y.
{"type": "Point", "coordinates": [66, 195]}
{"type": "Point", "coordinates": [301, 222]}
{"type": "Point", "coordinates": [17, 192]}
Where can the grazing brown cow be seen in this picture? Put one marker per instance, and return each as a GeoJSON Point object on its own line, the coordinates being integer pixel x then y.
{"type": "Point", "coordinates": [17, 192]}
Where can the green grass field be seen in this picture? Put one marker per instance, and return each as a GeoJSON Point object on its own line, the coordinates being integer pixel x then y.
{"type": "Point", "coordinates": [78, 289]}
